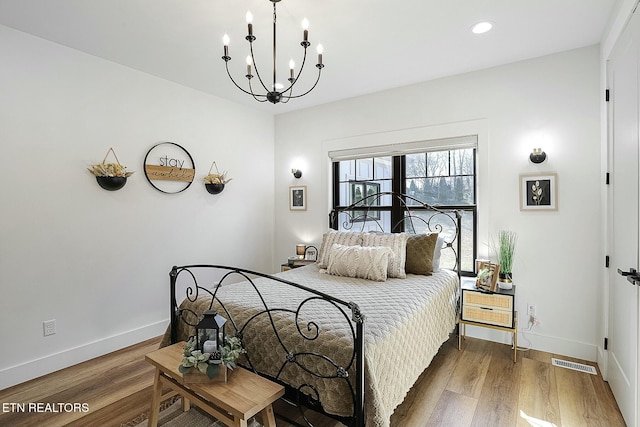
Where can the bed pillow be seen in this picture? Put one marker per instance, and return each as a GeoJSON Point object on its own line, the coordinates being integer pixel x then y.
{"type": "Point", "coordinates": [398, 244]}
{"type": "Point", "coordinates": [420, 252]}
{"type": "Point", "coordinates": [437, 254]}
{"type": "Point", "coordinates": [365, 262]}
{"type": "Point", "coordinates": [340, 237]}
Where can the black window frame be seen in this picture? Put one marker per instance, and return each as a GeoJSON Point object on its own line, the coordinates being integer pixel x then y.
{"type": "Point", "coordinates": [399, 185]}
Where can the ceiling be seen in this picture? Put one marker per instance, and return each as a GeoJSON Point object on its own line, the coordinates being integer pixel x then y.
{"type": "Point", "coordinates": [369, 45]}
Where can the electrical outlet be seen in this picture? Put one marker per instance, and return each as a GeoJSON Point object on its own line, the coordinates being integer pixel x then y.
{"type": "Point", "coordinates": [49, 327]}
{"type": "Point", "coordinates": [532, 310]}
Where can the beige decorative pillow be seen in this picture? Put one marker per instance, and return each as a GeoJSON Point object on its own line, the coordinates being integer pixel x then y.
{"type": "Point", "coordinates": [420, 251]}
{"type": "Point", "coordinates": [398, 244]}
{"type": "Point", "coordinates": [358, 261]}
{"type": "Point", "coordinates": [340, 237]}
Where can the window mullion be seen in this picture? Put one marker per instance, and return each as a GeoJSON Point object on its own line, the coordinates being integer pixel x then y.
{"type": "Point", "coordinates": [398, 186]}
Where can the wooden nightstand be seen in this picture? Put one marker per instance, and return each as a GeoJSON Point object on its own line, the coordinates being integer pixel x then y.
{"type": "Point", "coordinates": [489, 310]}
{"type": "Point", "coordinates": [296, 264]}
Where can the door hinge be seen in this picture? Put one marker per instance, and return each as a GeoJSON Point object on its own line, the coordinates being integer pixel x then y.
{"type": "Point", "coordinates": [606, 261]}
{"type": "Point", "coordinates": [606, 178]}
{"type": "Point", "coordinates": [606, 95]}
{"type": "Point", "coordinates": [606, 343]}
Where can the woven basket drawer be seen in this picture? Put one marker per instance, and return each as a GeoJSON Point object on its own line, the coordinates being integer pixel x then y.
{"type": "Point", "coordinates": [489, 300]}
{"type": "Point", "coordinates": [491, 317]}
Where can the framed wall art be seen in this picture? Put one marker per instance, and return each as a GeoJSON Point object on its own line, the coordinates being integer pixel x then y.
{"type": "Point", "coordinates": [539, 192]}
{"type": "Point", "coordinates": [298, 198]}
{"type": "Point", "coordinates": [169, 168]}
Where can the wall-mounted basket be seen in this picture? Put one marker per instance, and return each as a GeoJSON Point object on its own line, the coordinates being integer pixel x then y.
{"type": "Point", "coordinates": [110, 176]}
{"type": "Point", "coordinates": [111, 183]}
{"type": "Point", "coordinates": [214, 188]}
{"type": "Point", "coordinates": [214, 182]}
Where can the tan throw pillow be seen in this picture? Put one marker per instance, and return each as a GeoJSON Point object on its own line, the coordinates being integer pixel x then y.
{"type": "Point", "coordinates": [420, 250]}
{"type": "Point", "coordinates": [398, 244]}
{"type": "Point", "coordinates": [357, 261]}
{"type": "Point", "coordinates": [333, 236]}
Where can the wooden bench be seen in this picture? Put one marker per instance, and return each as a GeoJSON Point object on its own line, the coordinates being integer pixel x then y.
{"type": "Point", "coordinates": [244, 395]}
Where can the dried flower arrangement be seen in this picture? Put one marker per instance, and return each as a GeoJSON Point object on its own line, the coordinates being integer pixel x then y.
{"type": "Point", "coordinates": [216, 178]}
{"type": "Point", "coordinates": [110, 169]}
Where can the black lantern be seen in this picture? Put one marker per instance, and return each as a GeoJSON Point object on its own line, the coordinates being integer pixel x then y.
{"type": "Point", "coordinates": [210, 333]}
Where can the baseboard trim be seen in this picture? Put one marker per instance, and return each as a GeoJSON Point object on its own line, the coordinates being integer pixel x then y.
{"type": "Point", "coordinates": [45, 365]}
{"type": "Point", "coordinates": [535, 341]}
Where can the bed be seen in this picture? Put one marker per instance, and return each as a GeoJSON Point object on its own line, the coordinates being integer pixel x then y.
{"type": "Point", "coordinates": [343, 339]}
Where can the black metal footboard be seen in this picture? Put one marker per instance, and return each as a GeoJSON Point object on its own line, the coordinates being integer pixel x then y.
{"type": "Point", "coordinates": [299, 342]}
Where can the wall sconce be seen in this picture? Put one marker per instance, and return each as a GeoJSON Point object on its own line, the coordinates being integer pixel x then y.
{"type": "Point", "coordinates": [537, 156]}
{"type": "Point", "coordinates": [300, 250]}
{"type": "Point", "coordinates": [297, 173]}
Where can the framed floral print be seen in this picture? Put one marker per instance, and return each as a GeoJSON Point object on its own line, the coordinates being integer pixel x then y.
{"type": "Point", "coordinates": [539, 192]}
{"type": "Point", "coordinates": [298, 198]}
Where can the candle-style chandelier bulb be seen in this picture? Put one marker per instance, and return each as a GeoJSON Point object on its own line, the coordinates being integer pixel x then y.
{"type": "Point", "coordinates": [277, 93]}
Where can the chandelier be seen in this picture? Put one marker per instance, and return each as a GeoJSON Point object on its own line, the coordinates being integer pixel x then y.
{"type": "Point", "coordinates": [276, 92]}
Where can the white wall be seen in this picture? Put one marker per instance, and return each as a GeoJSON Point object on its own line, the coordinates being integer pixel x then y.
{"type": "Point", "coordinates": [558, 259]}
{"type": "Point", "coordinates": [98, 261]}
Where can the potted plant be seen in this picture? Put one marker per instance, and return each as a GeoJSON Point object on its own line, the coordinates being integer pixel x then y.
{"type": "Point", "coordinates": [214, 182]}
{"type": "Point", "coordinates": [110, 176]}
{"type": "Point", "coordinates": [507, 246]}
{"type": "Point", "coordinates": [197, 366]}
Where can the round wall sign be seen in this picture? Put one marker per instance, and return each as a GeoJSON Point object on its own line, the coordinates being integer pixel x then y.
{"type": "Point", "coordinates": [169, 168]}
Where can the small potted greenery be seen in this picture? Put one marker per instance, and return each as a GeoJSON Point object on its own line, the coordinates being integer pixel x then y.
{"type": "Point", "coordinates": [110, 176]}
{"type": "Point", "coordinates": [215, 182]}
{"type": "Point", "coordinates": [197, 366]}
{"type": "Point", "coordinates": [507, 246]}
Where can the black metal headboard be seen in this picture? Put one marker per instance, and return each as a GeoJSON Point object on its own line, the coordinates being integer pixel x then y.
{"type": "Point", "coordinates": [393, 212]}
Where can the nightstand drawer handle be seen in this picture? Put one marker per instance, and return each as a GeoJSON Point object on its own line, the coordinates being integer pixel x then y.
{"type": "Point", "coordinates": [486, 308]}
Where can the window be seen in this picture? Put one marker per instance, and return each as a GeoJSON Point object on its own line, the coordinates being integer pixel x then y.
{"type": "Point", "coordinates": [443, 178]}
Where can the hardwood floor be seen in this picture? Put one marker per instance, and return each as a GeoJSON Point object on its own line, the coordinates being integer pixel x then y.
{"type": "Point", "coordinates": [478, 386]}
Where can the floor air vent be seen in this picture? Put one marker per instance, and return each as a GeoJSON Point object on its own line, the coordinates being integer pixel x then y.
{"type": "Point", "coordinates": [575, 366]}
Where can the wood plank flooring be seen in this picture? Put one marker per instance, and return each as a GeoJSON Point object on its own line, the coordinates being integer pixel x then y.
{"type": "Point", "coordinates": [477, 387]}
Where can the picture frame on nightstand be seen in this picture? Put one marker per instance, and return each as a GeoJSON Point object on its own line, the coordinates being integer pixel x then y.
{"type": "Point", "coordinates": [489, 283]}
{"type": "Point", "coordinates": [310, 254]}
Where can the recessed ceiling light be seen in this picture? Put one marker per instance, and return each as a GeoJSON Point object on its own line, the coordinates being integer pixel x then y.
{"type": "Point", "coordinates": [481, 27]}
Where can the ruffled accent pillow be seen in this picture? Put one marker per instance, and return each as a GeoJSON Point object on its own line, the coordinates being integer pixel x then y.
{"type": "Point", "coordinates": [358, 261]}
{"type": "Point", "coordinates": [340, 237]}
{"type": "Point", "coordinates": [420, 252]}
{"type": "Point", "coordinates": [398, 244]}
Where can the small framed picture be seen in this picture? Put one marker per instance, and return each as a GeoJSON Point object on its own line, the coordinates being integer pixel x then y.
{"type": "Point", "coordinates": [539, 192]}
{"type": "Point", "coordinates": [311, 254]}
{"type": "Point", "coordinates": [487, 276]}
{"type": "Point", "coordinates": [298, 198]}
